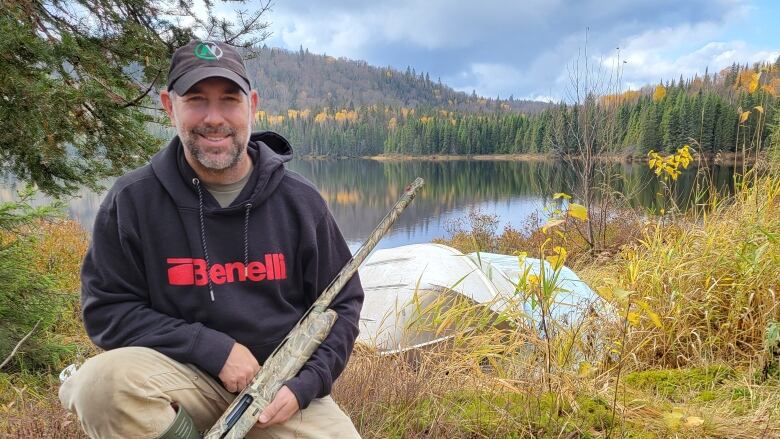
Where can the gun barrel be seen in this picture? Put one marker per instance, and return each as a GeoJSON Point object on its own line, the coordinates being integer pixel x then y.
{"type": "Point", "coordinates": [381, 229]}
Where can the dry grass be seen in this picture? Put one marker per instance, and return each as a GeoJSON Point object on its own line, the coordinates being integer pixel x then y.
{"type": "Point", "coordinates": [29, 408]}
{"type": "Point", "coordinates": [478, 232]}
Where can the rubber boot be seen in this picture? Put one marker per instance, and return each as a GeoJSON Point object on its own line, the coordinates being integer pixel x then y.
{"type": "Point", "coordinates": [182, 427]}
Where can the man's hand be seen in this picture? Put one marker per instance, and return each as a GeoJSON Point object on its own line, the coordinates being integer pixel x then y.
{"type": "Point", "coordinates": [280, 409]}
{"type": "Point", "coordinates": [239, 369]}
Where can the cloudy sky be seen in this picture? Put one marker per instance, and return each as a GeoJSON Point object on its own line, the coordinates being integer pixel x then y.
{"type": "Point", "coordinates": [526, 48]}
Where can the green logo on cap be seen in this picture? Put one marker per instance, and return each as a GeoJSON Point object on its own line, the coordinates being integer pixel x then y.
{"type": "Point", "coordinates": [208, 51]}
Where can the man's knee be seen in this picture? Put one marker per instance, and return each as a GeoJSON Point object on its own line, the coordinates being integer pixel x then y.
{"type": "Point", "coordinates": [322, 419]}
{"type": "Point", "coordinates": [112, 380]}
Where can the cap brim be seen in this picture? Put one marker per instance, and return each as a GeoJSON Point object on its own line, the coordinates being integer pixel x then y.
{"type": "Point", "coordinates": [187, 80]}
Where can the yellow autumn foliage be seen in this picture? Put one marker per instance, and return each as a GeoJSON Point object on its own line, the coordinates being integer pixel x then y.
{"type": "Point", "coordinates": [772, 87]}
{"type": "Point", "coordinates": [275, 119]}
{"type": "Point", "coordinates": [342, 116]}
{"type": "Point", "coordinates": [659, 93]}
{"type": "Point", "coordinates": [620, 98]}
{"type": "Point", "coordinates": [669, 166]}
{"type": "Point", "coordinates": [321, 117]}
{"type": "Point", "coordinates": [341, 197]}
{"type": "Point", "coordinates": [755, 79]}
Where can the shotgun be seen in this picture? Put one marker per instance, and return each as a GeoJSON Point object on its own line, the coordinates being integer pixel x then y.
{"type": "Point", "coordinates": [298, 346]}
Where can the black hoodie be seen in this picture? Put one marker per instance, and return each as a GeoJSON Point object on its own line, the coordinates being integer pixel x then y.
{"type": "Point", "coordinates": [268, 255]}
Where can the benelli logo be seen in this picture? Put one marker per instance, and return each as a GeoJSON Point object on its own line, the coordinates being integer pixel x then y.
{"type": "Point", "coordinates": [189, 271]}
{"type": "Point", "coordinates": [208, 51]}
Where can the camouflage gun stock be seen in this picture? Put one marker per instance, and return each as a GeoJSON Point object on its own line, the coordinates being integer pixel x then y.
{"type": "Point", "coordinates": [298, 346]}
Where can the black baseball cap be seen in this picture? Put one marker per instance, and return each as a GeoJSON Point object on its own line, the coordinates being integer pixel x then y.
{"type": "Point", "coordinates": [199, 60]}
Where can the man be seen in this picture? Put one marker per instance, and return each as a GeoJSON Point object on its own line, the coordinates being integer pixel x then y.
{"type": "Point", "coordinates": [200, 263]}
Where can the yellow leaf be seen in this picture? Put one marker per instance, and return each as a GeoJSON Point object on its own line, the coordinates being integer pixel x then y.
{"type": "Point", "coordinates": [655, 319]}
{"type": "Point", "coordinates": [558, 258]}
{"type": "Point", "coordinates": [605, 293]}
{"type": "Point", "coordinates": [555, 261]}
{"type": "Point", "coordinates": [578, 211]}
{"type": "Point", "coordinates": [561, 195]}
{"type": "Point", "coordinates": [693, 421]}
{"type": "Point", "coordinates": [744, 116]}
{"type": "Point", "coordinates": [633, 318]}
{"type": "Point", "coordinates": [585, 369]}
{"type": "Point", "coordinates": [759, 108]}
{"type": "Point", "coordinates": [650, 313]}
{"type": "Point", "coordinates": [651, 163]}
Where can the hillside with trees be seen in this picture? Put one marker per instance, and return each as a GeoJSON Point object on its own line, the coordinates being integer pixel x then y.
{"type": "Point", "coordinates": [302, 80]}
{"type": "Point", "coordinates": [714, 112]}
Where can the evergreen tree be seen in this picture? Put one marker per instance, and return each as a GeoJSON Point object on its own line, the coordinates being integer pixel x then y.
{"type": "Point", "coordinates": [77, 80]}
{"type": "Point", "coordinates": [649, 139]}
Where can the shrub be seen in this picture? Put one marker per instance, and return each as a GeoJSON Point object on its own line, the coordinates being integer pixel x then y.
{"type": "Point", "coordinates": [39, 257]}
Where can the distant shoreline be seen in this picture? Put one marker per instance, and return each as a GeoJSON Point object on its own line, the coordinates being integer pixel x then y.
{"type": "Point", "coordinates": [459, 157]}
{"type": "Point", "coordinates": [719, 159]}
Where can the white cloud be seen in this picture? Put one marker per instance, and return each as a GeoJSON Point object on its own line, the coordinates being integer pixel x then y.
{"type": "Point", "coordinates": [656, 55]}
{"type": "Point", "coordinates": [521, 48]}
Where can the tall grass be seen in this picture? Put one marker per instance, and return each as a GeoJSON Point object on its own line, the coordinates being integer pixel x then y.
{"type": "Point", "coordinates": [713, 281]}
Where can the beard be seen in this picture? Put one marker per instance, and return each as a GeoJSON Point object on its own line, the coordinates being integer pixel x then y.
{"type": "Point", "coordinates": [224, 161]}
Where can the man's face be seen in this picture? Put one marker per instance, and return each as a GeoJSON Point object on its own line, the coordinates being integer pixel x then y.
{"type": "Point", "coordinates": [213, 120]}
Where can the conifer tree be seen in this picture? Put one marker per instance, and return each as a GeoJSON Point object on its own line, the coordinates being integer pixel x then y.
{"type": "Point", "coordinates": [78, 78]}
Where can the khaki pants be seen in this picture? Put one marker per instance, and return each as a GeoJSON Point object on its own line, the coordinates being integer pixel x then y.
{"type": "Point", "coordinates": [127, 393]}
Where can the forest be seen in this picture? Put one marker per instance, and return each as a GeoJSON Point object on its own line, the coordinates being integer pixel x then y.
{"type": "Point", "coordinates": [712, 112]}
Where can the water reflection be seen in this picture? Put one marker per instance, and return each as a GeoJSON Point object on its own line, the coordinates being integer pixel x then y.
{"type": "Point", "coordinates": [359, 192]}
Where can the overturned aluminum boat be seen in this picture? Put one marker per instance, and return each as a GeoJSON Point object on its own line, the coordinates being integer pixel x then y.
{"type": "Point", "coordinates": [400, 282]}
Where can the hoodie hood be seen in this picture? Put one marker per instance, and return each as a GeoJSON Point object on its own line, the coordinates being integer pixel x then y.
{"type": "Point", "coordinates": [268, 150]}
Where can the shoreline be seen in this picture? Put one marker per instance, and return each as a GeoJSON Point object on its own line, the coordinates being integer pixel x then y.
{"type": "Point", "coordinates": [723, 158]}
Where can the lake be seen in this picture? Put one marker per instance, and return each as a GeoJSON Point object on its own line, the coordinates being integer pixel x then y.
{"type": "Point", "coordinates": [360, 192]}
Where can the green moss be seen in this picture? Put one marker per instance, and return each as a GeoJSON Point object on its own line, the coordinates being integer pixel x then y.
{"type": "Point", "coordinates": [676, 384]}
{"type": "Point", "coordinates": [594, 412]}
{"type": "Point", "coordinates": [503, 414]}
{"type": "Point", "coordinates": [707, 396]}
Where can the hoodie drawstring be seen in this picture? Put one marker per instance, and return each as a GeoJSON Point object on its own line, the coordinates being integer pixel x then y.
{"type": "Point", "coordinates": [248, 207]}
{"type": "Point", "coordinates": [196, 182]}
